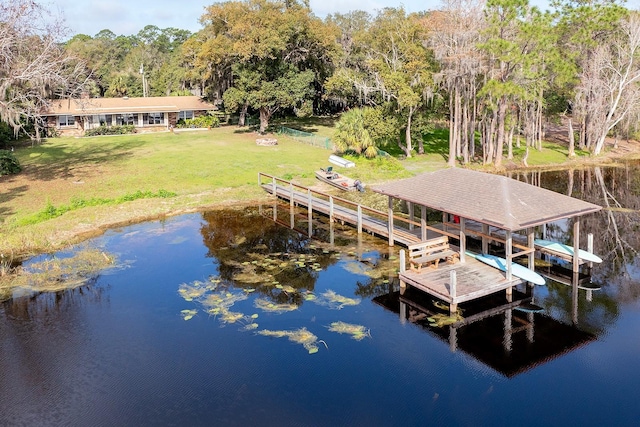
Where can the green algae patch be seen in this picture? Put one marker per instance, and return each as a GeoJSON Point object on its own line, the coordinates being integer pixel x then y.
{"type": "Point", "coordinates": [300, 336]}
{"type": "Point", "coordinates": [357, 332]}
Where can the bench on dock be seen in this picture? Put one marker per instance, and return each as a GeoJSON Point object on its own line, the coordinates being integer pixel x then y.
{"type": "Point", "coordinates": [431, 251]}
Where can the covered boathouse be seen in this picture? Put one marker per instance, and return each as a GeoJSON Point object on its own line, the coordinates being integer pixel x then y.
{"type": "Point", "coordinates": [492, 208]}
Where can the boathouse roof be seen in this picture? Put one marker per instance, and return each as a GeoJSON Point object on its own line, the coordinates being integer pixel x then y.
{"type": "Point", "coordinates": [495, 200]}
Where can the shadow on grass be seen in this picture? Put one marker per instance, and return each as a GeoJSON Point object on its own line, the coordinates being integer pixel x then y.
{"type": "Point", "coordinates": [437, 142]}
{"type": "Point", "coordinates": [8, 195]}
{"type": "Point", "coordinates": [57, 159]}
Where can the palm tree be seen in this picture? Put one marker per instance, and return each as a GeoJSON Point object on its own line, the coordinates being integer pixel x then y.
{"type": "Point", "coordinates": [352, 134]}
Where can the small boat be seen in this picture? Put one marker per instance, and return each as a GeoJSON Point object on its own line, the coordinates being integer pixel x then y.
{"type": "Point", "coordinates": [516, 269]}
{"type": "Point", "coordinates": [337, 180]}
{"type": "Point", "coordinates": [566, 250]}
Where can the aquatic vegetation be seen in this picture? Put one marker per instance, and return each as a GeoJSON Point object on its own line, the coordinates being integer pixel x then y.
{"type": "Point", "coordinates": [231, 316]}
{"type": "Point", "coordinates": [336, 301]}
{"type": "Point", "coordinates": [439, 320]}
{"type": "Point", "coordinates": [57, 274]}
{"type": "Point", "coordinates": [191, 291]}
{"type": "Point", "coordinates": [298, 336]}
{"type": "Point", "coordinates": [188, 314]}
{"type": "Point", "coordinates": [357, 332]}
{"type": "Point", "coordinates": [271, 307]}
{"type": "Point", "coordinates": [250, 327]}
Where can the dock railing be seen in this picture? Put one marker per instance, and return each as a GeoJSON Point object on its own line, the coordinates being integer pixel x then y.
{"type": "Point", "coordinates": [343, 209]}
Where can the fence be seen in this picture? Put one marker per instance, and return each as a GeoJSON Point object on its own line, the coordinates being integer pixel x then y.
{"type": "Point", "coordinates": [315, 140]}
{"type": "Point", "coordinates": [307, 138]}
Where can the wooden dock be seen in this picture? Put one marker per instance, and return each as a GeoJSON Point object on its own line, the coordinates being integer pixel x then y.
{"type": "Point", "coordinates": [402, 231]}
{"type": "Point", "coordinates": [459, 282]}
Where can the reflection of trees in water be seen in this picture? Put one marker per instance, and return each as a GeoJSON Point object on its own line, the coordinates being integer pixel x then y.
{"type": "Point", "coordinates": [594, 315]}
{"type": "Point", "coordinates": [37, 326]}
{"type": "Point", "coordinates": [230, 235]}
{"type": "Point", "coordinates": [616, 230]}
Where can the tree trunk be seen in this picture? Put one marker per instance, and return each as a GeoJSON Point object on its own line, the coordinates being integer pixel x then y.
{"type": "Point", "coordinates": [243, 115]}
{"type": "Point", "coordinates": [572, 141]}
{"type": "Point", "coordinates": [502, 114]}
{"type": "Point", "coordinates": [407, 132]}
{"type": "Point", "coordinates": [452, 139]}
{"type": "Point", "coordinates": [265, 114]}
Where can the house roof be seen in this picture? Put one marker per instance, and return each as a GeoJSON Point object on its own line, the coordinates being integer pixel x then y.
{"type": "Point", "coordinates": [155, 104]}
{"type": "Point", "coordinates": [490, 199]}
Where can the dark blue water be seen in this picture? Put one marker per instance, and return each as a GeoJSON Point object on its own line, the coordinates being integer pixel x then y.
{"type": "Point", "coordinates": [118, 350]}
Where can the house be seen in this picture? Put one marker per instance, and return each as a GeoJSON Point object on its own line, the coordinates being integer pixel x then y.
{"type": "Point", "coordinates": [75, 116]}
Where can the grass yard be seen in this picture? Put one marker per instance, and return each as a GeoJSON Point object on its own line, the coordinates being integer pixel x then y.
{"type": "Point", "coordinates": [97, 182]}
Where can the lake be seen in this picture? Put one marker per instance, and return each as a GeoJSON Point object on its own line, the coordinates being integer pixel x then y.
{"type": "Point", "coordinates": [229, 318]}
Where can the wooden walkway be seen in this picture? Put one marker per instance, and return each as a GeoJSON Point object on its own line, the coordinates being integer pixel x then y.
{"type": "Point", "coordinates": [338, 209]}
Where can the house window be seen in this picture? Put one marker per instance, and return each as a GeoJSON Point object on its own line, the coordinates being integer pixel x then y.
{"type": "Point", "coordinates": [126, 119]}
{"type": "Point", "coordinates": [104, 119]}
{"type": "Point", "coordinates": [184, 115]}
{"type": "Point", "coordinates": [153, 118]}
{"type": "Point", "coordinates": [64, 121]}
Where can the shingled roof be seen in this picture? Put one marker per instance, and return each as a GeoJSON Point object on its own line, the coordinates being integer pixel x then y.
{"type": "Point", "coordinates": [490, 199]}
{"type": "Point", "coordinates": [156, 104]}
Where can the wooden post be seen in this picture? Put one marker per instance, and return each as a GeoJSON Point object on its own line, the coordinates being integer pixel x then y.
{"type": "Point", "coordinates": [292, 217]}
{"type": "Point", "coordinates": [275, 210]}
{"type": "Point", "coordinates": [576, 245]}
{"type": "Point", "coordinates": [590, 246]}
{"type": "Point", "coordinates": [531, 245]}
{"type": "Point", "coordinates": [273, 187]}
{"type": "Point", "coordinates": [359, 219]}
{"type": "Point", "coordinates": [331, 208]}
{"type": "Point", "coordinates": [463, 239]}
{"type": "Point", "coordinates": [260, 179]}
{"type": "Point", "coordinates": [509, 252]}
{"type": "Point", "coordinates": [390, 219]}
{"type": "Point", "coordinates": [423, 222]}
{"type": "Point", "coordinates": [445, 219]}
{"type": "Point", "coordinates": [331, 234]}
{"type": "Point", "coordinates": [310, 212]}
{"type": "Point", "coordinates": [403, 268]}
{"type": "Point", "coordinates": [453, 282]}
{"type": "Point", "coordinates": [574, 297]}
{"type": "Point", "coordinates": [485, 241]}
{"type": "Point", "coordinates": [410, 206]}
{"type": "Point", "coordinates": [291, 194]}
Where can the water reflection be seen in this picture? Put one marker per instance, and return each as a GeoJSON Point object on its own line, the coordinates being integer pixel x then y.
{"type": "Point", "coordinates": [510, 337]}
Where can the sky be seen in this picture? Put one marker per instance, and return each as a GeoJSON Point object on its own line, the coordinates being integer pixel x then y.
{"type": "Point", "coordinates": [126, 17]}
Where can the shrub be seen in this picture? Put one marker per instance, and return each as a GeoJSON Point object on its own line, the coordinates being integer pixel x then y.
{"type": "Point", "coordinates": [111, 130]}
{"type": "Point", "coordinates": [204, 121]}
{"type": "Point", "coordinates": [9, 165]}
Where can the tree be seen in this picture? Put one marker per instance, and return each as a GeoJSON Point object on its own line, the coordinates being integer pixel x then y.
{"type": "Point", "coordinates": [363, 130]}
{"type": "Point", "coordinates": [33, 66]}
{"type": "Point", "coordinates": [289, 51]}
{"type": "Point", "coordinates": [454, 37]}
{"type": "Point", "coordinates": [613, 78]}
{"type": "Point", "coordinates": [399, 68]}
{"type": "Point", "coordinates": [585, 26]}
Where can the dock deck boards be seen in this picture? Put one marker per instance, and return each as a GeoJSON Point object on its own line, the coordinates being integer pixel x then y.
{"type": "Point", "coordinates": [474, 280]}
